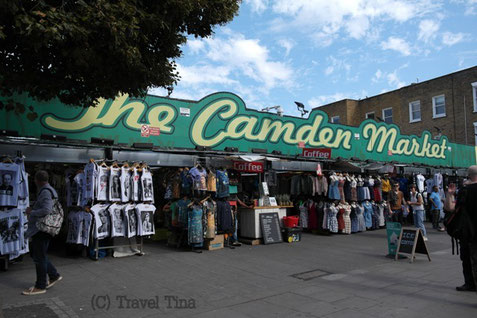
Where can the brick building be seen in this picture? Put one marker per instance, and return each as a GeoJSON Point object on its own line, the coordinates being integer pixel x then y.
{"type": "Point", "coordinates": [447, 104]}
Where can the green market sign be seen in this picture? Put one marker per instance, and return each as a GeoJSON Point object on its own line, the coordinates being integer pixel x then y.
{"type": "Point", "coordinates": [221, 120]}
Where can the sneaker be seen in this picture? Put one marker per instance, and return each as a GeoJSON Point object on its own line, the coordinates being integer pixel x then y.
{"type": "Point", "coordinates": [236, 244]}
{"type": "Point", "coordinates": [33, 291]}
{"type": "Point", "coordinates": [425, 238]}
{"type": "Point", "coordinates": [441, 229]}
{"type": "Point", "coordinates": [51, 283]}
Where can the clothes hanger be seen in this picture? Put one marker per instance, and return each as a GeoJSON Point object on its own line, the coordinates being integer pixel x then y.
{"type": "Point", "coordinates": [7, 159]}
{"type": "Point", "coordinates": [115, 165]}
{"type": "Point", "coordinates": [125, 164]}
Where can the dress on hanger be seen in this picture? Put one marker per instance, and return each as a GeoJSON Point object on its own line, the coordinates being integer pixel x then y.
{"type": "Point", "coordinates": [312, 216]}
{"type": "Point", "coordinates": [347, 219]}
{"type": "Point", "coordinates": [303, 216]}
{"type": "Point", "coordinates": [347, 190]}
{"type": "Point", "coordinates": [341, 183]}
{"type": "Point", "coordinates": [354, 191]}
{"type": "Point", "coordinates": [361, 221]}
{"type": "Point", "coordinates": [354, 219]}
{"type": "Point", "coordinates": [368, 214]}
{"type": "Point", "coordinates": [340, 217]}
{"type": "Point", "coordinates": [377, 191]}
{"type": "Point", "coordinates": [332, 222]}
{"type": "Point", "coordinates": [333, 192]}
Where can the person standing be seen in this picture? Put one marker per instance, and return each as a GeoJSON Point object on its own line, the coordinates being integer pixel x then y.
{"type": "Point", "coordinates": [467, 198]}
{"type": "Point", "coordinates": [436, 206]}
{"type": "Point", "coordinates": [396, 202]}
{"type": "Point", "coordinates": [40, 240]}
{"type": "Point", "coordinates": [418, 210]}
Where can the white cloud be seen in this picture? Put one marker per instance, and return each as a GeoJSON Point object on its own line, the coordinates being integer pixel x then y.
{"type": "Point", "coordinates": [396, 44]}
{"type": "Point", "coordinates": [428, 30]}
{"type": "Point", "coordinates": [196, 75]}
{"type": "Point", "coordinates": [449, 38]}
{"type": "Point", "coordinates": [377, 76]}
{"type": "Point", "coordinates": [257, 6]}
{"type": "Point", "coordinates": [337, 65]}
{"type": "Point", "coordinates": [326, 99]}
{"type": "Point", "coordinates": [195, 45]}
{"type": "Point", "coordinates": [250, 58]}
{"type": "Point", "coordinates": [324, 20]}
{"type": "Point", "coordinates": [287, 45]}
{"type": "Point", "coordinates": [393, 80]}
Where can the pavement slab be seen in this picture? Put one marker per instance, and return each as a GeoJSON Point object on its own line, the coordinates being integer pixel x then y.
{"type": "Point", "coordinates": [321, 276]}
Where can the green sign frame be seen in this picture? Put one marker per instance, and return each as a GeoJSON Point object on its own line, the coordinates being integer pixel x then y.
{"type": "Point", "coordinates": [222, 120]}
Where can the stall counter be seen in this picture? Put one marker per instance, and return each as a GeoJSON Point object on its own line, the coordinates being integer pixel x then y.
{"type": "Point", "coordinates": [250, 219]}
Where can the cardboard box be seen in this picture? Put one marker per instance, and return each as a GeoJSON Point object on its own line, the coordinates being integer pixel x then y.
{"type": "Point", "coordinates": [215, 244]}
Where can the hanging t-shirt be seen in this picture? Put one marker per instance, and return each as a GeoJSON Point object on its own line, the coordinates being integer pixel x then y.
{"type": "Point", "coordinates": [79, 180]}
{"type": "Point", "coordinates": [10, 174]}
{"type": "Point", "coordinates": [136, 185]}
{"type": "Point", "coordinates": [125, 184]}
{"type": "Point", "coordinates": [86, 220]}
{"type": "Point", "coordinates": [74, 228]}
{"type": "Point", "coordinates": [90, 175]}
{"type": "Point", "coordinates": [23, 192]}
{"type": "Point", "coordinates": [10, 231]}
{"type": "Point", "coordinates": [103, 184]}
{"type": "Point", "coordinates": [102, 221]}
{"type": "Point", "coordinates": [71, 188]}
{"type": "Point", "coordinates": [24, 247]}
{"type": "Point", "coordinates": [115, 184]}
{"type": "Point", "coordinates": [147, 188]}
{"type": "Point", "coordinates": [222, 184]}
{"type": "Point", "coordinates": [429, 185]}
{"type": "Point", "coordinates": [145, 219]}
{"type": "Point", "coordinates": [199, 178]}
{"type": "Point", "coordinates": [420, 182]}
{"type": "Point", "coordinates": [131, 220]}
{"type": "Point", "coordinates": [118, 221]}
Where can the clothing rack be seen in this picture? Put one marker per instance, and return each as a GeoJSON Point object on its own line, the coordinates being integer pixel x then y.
{"type": "Point", "coordinates": [97, 248]}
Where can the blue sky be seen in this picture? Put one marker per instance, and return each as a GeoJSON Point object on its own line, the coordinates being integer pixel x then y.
{"type": "Point", "coordinates": [317, 52]}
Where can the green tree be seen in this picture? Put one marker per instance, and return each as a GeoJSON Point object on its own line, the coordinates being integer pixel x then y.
{"type": "Point", "coordinates": [81, 50]}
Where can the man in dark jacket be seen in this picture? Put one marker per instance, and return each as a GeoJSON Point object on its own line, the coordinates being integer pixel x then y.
{"type": "Point", "coordinates": [468, 198]}
{"type": "Point", "coordinates": [40, 240]}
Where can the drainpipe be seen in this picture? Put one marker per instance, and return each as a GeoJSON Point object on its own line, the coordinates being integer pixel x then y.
{"type": "Point", "coordinates": [453, 110]}
{"type": "Point", "coordinates": [465, 122]}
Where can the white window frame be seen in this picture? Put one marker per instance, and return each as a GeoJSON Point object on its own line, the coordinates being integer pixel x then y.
{"type": "Point", "coordinates": [333, 119]}
{"type": "Point", "coordinates": [366, 115]}
{"type": "Point", "coordinates": [414, 120]}
{"type": "Point", "coordinates": [384, 118]}
{"type": "Point", "coordinates": [474, 95]}
{"type": "Point", "coordinates": [434, 115]}
{"type": "Point", "coordinates": [475, 132]}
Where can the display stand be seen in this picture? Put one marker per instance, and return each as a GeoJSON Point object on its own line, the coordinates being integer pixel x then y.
{"type": "Point", "coordinates": [97, 247]}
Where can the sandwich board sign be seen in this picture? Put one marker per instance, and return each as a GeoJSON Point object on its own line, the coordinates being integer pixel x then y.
{"type": "Point", "coordinates": [411, 241]}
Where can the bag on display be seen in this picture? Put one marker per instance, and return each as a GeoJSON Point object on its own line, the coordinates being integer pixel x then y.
{"type": "Point", "coordinates": [51, 223]}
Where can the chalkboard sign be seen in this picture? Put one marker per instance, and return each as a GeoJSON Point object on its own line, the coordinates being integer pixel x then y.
{"type": "Point", "coordinates": [270, 225]}
{"type": "Point", "coordinates": [411, 241]}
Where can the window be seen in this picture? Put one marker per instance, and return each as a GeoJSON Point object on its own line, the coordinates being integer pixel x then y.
{"type": "Point", "coordinates": [335, 119]}
{"type": "Point", "coordinates": [370, 115]}
{"type": "Point", "coordinates": [438, 106]}
{"type": "Point", "coordinates": [388, 115]}
{"type": "Point", "coordinates": [474, 95]}
{"type": "Point", "coordinates": [415, 111]}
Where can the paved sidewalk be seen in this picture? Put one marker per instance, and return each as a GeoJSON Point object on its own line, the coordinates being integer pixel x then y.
{"type": "Point", "coordinates": [336, 276]}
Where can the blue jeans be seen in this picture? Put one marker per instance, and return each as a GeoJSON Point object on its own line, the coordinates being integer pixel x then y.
{"type": "Point", "coordinates": [235, 236]}
{"type": "Point", "coordinates": [38, 250]}
{"type": "Point", "coordinates": [419, 221]}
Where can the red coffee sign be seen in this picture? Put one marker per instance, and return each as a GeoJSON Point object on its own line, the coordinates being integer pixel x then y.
{"type": "Point", "coordinates": [245, 166]}
{"type": "Point", "coordinates": [322, 153]}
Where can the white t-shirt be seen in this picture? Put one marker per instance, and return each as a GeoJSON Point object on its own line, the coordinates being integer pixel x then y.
{"type": "Point", "coordinates": [115, 184]}
{"type": "Point", "coordinates": [147, 188]}
{"type": "Point", "coordinates": [102, 221]}
{"type": "Point", "coordinates": [125, 184]}
{"type": "Point", "coordinates": [145, 219]}
{"type": "Point", "coordinates": [90, 174]}
{"type": "Point", "coordinates": [131, 219]}
{"type": "Point", "coordinates": [420, 182]}
{"type": "Point", "coordinates": [10, 174]}
{"type": "Point", "coordinates": [118, 221]}
{"type": "Point", "coordinates": [86, 219]}
{"type": "Point", "coordinates": [103, 184]}
{"type": "Point", "coordinates": [11, 228]}
{"type": "Point", "coordinates": [79, 179]}
{"type": "Point", "coordinates": [136, 186]}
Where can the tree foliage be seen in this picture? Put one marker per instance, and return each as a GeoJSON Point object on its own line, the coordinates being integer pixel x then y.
{"type": "Point", "coordinates": [81, 50]}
